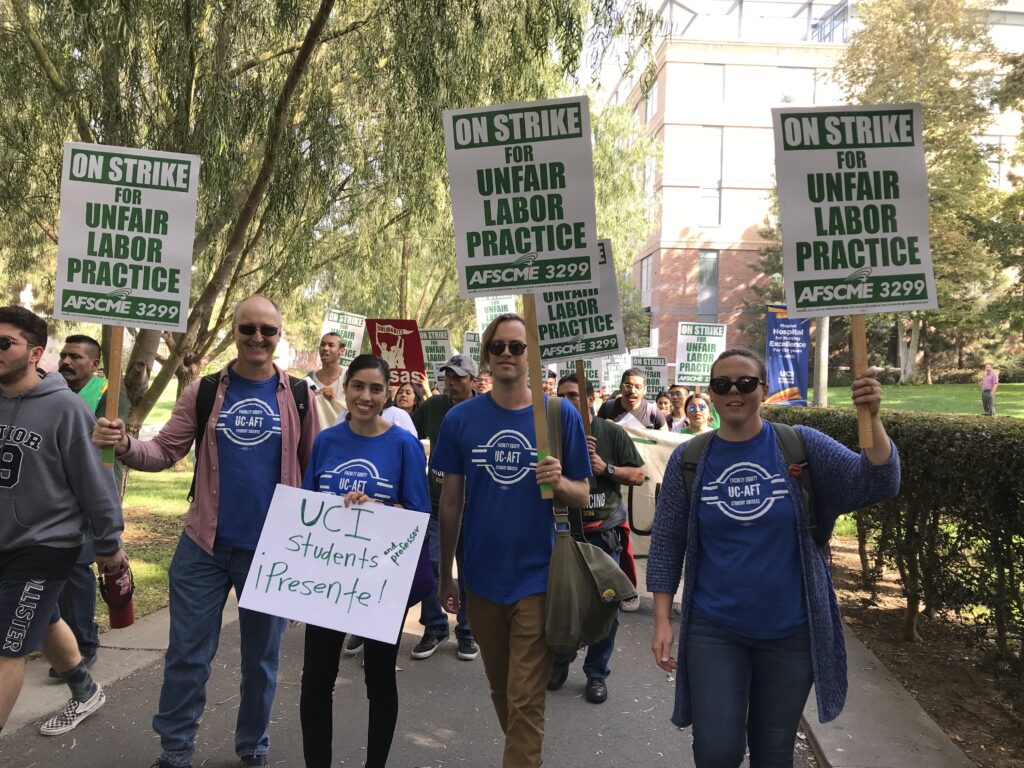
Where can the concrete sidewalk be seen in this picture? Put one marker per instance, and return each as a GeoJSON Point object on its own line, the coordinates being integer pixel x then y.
{"type": "Point", "coordinates": [882, 726]}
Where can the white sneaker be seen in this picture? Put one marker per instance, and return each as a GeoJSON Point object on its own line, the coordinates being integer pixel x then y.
{"type": "Point", "coordinates": [631, 605]}
{"type": "Point", "coordinates": [72, 714]}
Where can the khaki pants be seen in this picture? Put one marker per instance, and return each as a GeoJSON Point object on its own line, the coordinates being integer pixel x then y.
{"type": "Point", "coordinates": [517, 661]}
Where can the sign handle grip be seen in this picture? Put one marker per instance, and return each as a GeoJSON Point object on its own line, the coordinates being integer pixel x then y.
{"type": "Point", "coordinates": [540, 421]}
{"type": "Point", "coordinates": [581, 380]}
{"type": "Point", "coordinates": [859, 343]}
{"type": "Point", "coordinates": [113, 384]}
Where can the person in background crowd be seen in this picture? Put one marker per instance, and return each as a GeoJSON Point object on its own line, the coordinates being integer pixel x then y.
{"type": "Point", "coordinates": [54, 486]}
{"type": "Point", "coordinates": [760, 622]}
{"type": "Point", "coordinates": [324, 382]}
{"type": "Point", "coordinates": [677, 395]}
{"type": "Point", "coordinates": [78, 362]}
{"type": "Point", "coordinates": [615, 462]}
{"type": "Point", "coordinates": [509, 530]}
{"type": "Point", "coordinates": [483, 382]}
{"type": "Point", "coordinates": [664, 405]}
{"type": "Point", "coordinates": [459, 373]}
{"type": "Point", "coordinates": [633, 387]}
{"type": "Point", "coordinates": [339, 460]}
{"type": "Point", "coordinates": [698, 413]}
{"type": "Point", "coordinates": [409, 397]}
{"type": "Point", "coordinates": [989, 385]}
{"type": "Point", "coordinates": [239, 462]}
{"type": "Point", "coordinates": [550, 377]}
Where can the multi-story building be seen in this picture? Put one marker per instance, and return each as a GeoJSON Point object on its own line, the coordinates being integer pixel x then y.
{"type": "Point", "coordinates": [720, 69]}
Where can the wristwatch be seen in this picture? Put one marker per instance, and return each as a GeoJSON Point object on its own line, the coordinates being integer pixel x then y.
{"type": "Point", "coordinates": [609, 470]}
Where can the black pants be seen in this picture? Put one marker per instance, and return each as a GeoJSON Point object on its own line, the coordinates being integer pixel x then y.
{"type": "Point", "coordinates": [319, 670]}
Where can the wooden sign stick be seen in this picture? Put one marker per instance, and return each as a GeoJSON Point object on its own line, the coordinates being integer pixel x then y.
{"type": "Point", "coordinates": [113, 384]}
{"type": "Point", "coordinates": [859, 343]}
{"type": "Point", "coordinates": [540, 421]}
{"type": "Point", "coordinates": [581, 380]}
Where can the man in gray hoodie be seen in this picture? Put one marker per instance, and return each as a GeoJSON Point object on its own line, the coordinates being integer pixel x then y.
{"type": "Point", "coordinates": [52, 488]}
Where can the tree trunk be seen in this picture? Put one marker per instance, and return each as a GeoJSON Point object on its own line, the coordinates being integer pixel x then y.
{"type": "Point", "coordinates": [140, 365]}
{"type": "Point", "coordinates": [909, 633]}
{"type": "Point", "coordinates": [862, 550]}
{"type": "Point", "coordinates": [821, 362]}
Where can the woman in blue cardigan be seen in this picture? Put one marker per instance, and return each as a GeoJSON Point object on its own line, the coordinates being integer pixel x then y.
{"type": "Point", "coordinates": [760, 621]}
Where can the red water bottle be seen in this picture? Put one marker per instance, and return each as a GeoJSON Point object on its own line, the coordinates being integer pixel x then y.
{"type": "Point", "coordinates": [117, 589]}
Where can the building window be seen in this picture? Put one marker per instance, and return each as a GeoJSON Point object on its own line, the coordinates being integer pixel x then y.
{"type": "Point", "coordinates": [712, 83]}
{"type": "Point", "coordinates": [645, 274]}
{"type": "Point", "coordinates": [651, 103]}
{"type": "Point", "coordinates": [709, 207]}
{"type": "Point", "coordinates": [707, 286]}
{"type": "Point", "coordinates": [796, 86]}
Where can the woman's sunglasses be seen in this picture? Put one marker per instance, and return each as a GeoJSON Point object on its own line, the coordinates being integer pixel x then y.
{"type": "Point", "coordinates": [744, 384]}
{"type": "Point", "coordinates": [247, 329]}
{"type": "Point", "coordinates": [516, 348]}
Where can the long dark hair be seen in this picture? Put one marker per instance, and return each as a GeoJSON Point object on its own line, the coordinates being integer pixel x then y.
{"type": "Point", "coordinates": [418, 395]}
{"type": "Point", "coordinates": [364, 363]}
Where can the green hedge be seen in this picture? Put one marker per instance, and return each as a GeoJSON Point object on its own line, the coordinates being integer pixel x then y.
{"type": "Point", "coordinates": [955, 532]}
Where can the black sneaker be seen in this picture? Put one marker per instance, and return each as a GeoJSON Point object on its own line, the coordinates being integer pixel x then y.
{"type": "Point", "coordinates": [353, 645]}
{"type": "Point", "coordinates": [253, 761]}
{"type": "Point", "coordinates": [558, 676]}
{"type": "Point", "coordinates": [164, 764]}
{"type": "Point", "coordinates": [468, 649]}
{"type": "Point", "coordinates": [427, 645]}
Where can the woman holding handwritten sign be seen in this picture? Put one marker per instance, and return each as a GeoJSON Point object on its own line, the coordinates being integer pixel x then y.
{"type": "Point", "coordinates": [365, 458]}
{"type": "Point", "coordinates": [760, 621]}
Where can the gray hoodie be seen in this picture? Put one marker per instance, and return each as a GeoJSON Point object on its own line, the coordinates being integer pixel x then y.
{"type": "Point", "coordinates": [53, 485]}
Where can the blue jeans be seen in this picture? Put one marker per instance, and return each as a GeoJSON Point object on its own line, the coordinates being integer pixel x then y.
{"type": "Point", "coordinates": [599, 654]}
{"type": "Point", "coordinates": [432, 615]}
{"type": "Point", "coordinates": [745, 690]}
{"type": "Point", "coordinates": [77, 601]}
{"type": "Point", "coordinates": [199, 586]}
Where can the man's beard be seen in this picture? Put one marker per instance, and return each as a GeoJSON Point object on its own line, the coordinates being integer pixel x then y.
{"type": "Point", "coordinates": [16, 372]}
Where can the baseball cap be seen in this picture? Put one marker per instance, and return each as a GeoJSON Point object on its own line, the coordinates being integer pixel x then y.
{"type": "Point", "coordinates": [460, 365]}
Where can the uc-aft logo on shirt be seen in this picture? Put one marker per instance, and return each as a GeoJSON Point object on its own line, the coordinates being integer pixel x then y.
{"type": "Point", "coordinates": [249, 422]}
{"type": "Point", "coordinates": [744, 491]}
{"type": "Point", "coordinates": [357, 475]}
{"type": "Point", "coordinates": [507, 457]}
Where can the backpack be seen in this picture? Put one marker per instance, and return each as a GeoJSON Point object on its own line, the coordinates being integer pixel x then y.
{"type": "Point", "coordinates": [795, 452]}
{"type": "Point", "coordinates": [204, 407]}
{"type": "Point", "coordinates": [585, 585]}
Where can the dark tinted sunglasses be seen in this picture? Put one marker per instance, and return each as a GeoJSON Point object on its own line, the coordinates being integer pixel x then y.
{"type": "Point", "coordinates": [6, 342]}
{"type": "Point", "coordinates": [745, 385]}
{"type": "Point", "coordinates": [246, 329]}
{"type": "Point", "coordinates": [517, 348]}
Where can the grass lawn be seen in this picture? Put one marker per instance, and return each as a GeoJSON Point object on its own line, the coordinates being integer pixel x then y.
{"type": "Point", "coordinates": [940, 398]}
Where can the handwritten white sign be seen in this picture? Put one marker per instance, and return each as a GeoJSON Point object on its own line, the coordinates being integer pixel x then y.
{"type": "Point", "coordinates": [344, 568]}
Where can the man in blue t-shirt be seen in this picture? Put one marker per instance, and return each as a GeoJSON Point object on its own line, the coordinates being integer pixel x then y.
{"type": "Point", "coordinates": [487, 451]}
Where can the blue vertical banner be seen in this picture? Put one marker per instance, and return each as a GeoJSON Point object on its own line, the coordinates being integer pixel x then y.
{"type": "Point", "coordinates": [787, 350]}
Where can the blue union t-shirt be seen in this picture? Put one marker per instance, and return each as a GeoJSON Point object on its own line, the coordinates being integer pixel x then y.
{"type": "Point", "coordinates": [749, 578]}
{"type": "Point", "coordinates": [509, 530]}
{"type": "Point", "coordinates": [249, 454]}
{"type": "Point", "coordinates": [390, 468]}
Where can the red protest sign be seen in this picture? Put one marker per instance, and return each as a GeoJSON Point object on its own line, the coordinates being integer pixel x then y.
{"type": "Point", "coordinates": [398, 343]}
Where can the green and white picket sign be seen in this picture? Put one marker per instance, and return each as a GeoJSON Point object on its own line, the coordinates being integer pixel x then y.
{"type": "Point", "coordinates": [437, 349]}
{"type": "Point", "coordinates": [522, 186]}
{"type": "Point", "coordinates": [613, 367]}
{"type": "Point", "coordinates": [593, 369]}
{"type": "Point", "coordinates": [697, 346]}
{"type": "Point", "coordinates": [489, 307]}
{"type": "Point", "coordinates": [853, 203]}
{"type": "Point", "coordinates": [471, 345]}
{"type": "Point", "coordinates": [349, 327]}
{"type": "Point", "coordinates": [581, 323]}
{"type": "Point", "coordinates": [127, 224]}
{"type": "Point", "coordinates": [655, 371]}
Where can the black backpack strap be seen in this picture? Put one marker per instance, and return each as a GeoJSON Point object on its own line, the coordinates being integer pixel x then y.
{"type": "Point", "coordinates": [692, 449]}
{"type": "Point", "coordinates": [204, 407]}
{"type": "Point", "coordinates": [300, 394]}
{"type": "Point", "coordinates": [795, 451]}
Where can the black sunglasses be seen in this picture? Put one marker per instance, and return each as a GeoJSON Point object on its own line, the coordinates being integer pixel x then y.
{"type": "Point", "coordinates": [6, 342]}
{"type": "Point", "coordinates": [745, 385]}
{"type": "Point", "coordinates": [517, 348]}
{"type": "Point", "coordinates": [247, 329]}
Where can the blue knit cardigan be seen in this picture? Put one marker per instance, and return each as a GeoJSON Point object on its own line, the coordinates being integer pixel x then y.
{"type": "Point", "coordinates": [843, 481]}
